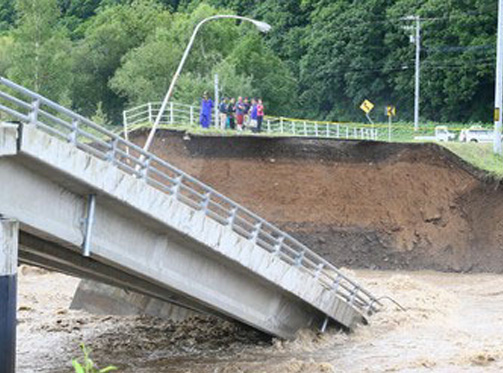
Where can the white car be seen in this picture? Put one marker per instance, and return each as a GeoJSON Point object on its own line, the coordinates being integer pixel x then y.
{"type": "Point", "coordinates": [442, 133]}
{"type": "Point", "coordinates": [476, 134]}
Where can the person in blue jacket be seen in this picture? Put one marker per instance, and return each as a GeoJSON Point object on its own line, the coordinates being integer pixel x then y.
{"type": "Point", "coordinates": [206, 107]}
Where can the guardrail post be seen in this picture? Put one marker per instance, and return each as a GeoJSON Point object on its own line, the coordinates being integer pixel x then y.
{"type": "Point", "coordinates": [316, 129]}
{"type": "Point", "coordinates": [305, 128]}
{"type": "Point", "coordinates": [281, 129]}
{"type": "Point", "coordinates": [125, 125]}
{"type": "Point", "coordinates": [72, 137]}
{"type": "Point", "coordinates": [205, 202]}
{"type": "Point", "coordinates": [353, 295]}
{"type": "Point", "coordinates": [335, 285]}
{"type": "Point", "coordinates": [35, 105]}
{"type": "Point", "coordinates": [171, 118]}
{"type": "Point", "coordinates": [319, 268]}
{"type": "Point", "coordinates": [232, 215]}
{"type": "Point", "coordinates": [293, 127]}
{"type": "Point", "coordinates": [176, 187]}
{"type": "Point", "coordinates": [278, 245]}
{"type": "Point", "coordinates": [370, 306]}
{"type": "Point", "coordinates": [144, 168]}
{"type": "Point", "coordinates": [347, 132]}
{"type": "Point", "coordinates": [355, 133]}
{"type": "Point", "coordinates": [256, 232]}
{"type": "Point", "coordinates": [268, 125]}
{"type": "Point", "coordinates": [299, 258]}
{"type": "Point", "coordinates": [338, 131]}
{"type": "Point", "coordinates": [112, 151]}
{"type": "Point", "coordinates": [150, 113]}
{"type": "Point", "coordinates": [9, 233]}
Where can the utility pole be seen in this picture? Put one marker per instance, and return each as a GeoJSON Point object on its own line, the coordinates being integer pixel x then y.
{"type": "Point", "coordinates": [498, 104]}
{"type": "Point", "coordinates": [216, 102]}
{"type": "Point", "coordinates": [417, 40]}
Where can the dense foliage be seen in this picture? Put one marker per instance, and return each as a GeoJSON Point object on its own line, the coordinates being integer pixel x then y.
{"type": "Point", "coordinates": [321, 59]}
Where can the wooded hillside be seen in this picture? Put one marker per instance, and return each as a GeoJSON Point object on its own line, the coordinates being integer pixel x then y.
{"type": "Point", "coordinates": [321, 59]}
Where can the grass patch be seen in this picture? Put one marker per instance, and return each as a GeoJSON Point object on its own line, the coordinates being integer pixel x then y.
{"type": "Point", "coordinates": [479, 155]}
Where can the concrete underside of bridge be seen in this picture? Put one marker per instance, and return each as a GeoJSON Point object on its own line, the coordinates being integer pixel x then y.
{"type": "Point", "coordinates": [146, 241]}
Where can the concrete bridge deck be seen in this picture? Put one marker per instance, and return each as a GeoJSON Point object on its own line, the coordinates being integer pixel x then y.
{"type": "Point", "coordinates": [102, 209]}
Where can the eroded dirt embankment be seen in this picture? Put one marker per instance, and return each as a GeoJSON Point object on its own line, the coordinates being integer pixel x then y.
{"type": "Point", "coordinates": [370, 205]}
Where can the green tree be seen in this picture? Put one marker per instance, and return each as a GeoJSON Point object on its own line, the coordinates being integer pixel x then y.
{"type": "Point", "coordinates": [238, 53]}
{"type": "Point", "coordinates": [457, 68]}
{"type": "Point", "coordinates": [5, 47]}
{"type": "Point", "coordinates": [270, 76]}
{"type": "Point", "coordinates": [112, 33]}
{"type": "Point", "coordinates": [39, 57]}
{"type": "Point", "coordinates": [7, 14]}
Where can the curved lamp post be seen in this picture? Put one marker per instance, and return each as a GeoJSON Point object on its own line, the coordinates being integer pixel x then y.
{"type": "Point", "coordinates": [261, 26]}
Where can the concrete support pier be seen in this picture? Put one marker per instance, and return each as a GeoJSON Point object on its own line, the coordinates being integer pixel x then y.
{"type": "Point", "coordinates": [8, 293]}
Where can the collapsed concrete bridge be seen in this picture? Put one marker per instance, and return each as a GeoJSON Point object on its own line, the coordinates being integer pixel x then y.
{"type": "Point", "coordinates": [93, 205]}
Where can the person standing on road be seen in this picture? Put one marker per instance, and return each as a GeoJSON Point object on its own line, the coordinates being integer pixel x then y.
{"type": "Point", "coordinates": [231, 109]}
{"type": "Point", "coordinates": [260, 114]}
{"type": "Point", "coordinates": [247, 105]}
{"type": "Point", "coordinates": [240, 111]}
{"type": "Point", "coordinates": [254, 116]}
{"type": "Point", "coordinates": [223, 113]}
{"type": "Point", "coordinates": [206, 107]}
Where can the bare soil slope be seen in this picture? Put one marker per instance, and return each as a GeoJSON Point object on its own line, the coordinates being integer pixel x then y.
{"type": "Point", "coordinates": [370, 205]}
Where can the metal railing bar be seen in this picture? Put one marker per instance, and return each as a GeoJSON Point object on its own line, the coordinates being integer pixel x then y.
{"type": "Point", "coordinates": [15, 100]}
{"type": "Point", "coordinates": [241, 231]}
{"type": "Point", "coordinates": [162, 186]}
{"type": "Point", "coordinates": [55, 119]}
{"type": "Point", "coordinates": [14, 113]}
{"type": "Point", "coordinates": [96, 140]}
{"type": "Point", "coordinates": [52, 130]}
{"type": "Point", "coordinates": [90, 149]}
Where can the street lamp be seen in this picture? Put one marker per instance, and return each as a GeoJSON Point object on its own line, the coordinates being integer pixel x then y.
{"type": "Point", "coordinates": [261, 26]}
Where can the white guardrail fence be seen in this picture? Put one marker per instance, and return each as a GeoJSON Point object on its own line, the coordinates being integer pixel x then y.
{"type": "Point", "coordinates": [181, 114]}
{"type": "Point", "coordinates": [23, 105]}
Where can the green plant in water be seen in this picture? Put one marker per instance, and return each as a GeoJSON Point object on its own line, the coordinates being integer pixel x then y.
{"type": "Point", "coordinates": [87, 366]}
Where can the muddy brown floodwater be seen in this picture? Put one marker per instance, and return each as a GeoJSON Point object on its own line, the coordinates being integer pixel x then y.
{"type": "Point", "coordinates": [453, 323]}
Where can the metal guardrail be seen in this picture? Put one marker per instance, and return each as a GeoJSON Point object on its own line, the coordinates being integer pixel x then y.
{"type": "Point", "coordinates": [33, 109]}
{"type": "Point", "coordinates": [181, 114]}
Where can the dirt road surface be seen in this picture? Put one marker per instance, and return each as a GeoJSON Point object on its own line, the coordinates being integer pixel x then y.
{"type": "Point", "coordinates": [453, 323]}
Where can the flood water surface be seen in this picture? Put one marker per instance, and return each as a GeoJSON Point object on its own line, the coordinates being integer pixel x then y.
{"type": "Point", "coordinates": [452, 323]}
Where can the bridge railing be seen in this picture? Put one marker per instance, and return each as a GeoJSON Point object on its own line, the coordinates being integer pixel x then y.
{"type": "Point", "coordinates": [181, 114]}
{"type": "Point", "coordinates": [33, 109]}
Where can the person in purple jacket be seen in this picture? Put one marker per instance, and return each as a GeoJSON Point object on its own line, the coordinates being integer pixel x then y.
{"type": "Point", "coordinates": [206, 107]}
{"type": "Point", "coordinates": [253, 115]}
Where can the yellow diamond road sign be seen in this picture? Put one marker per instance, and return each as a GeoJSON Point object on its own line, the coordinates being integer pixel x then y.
{"type": "Point", "coordinates": [390, 111]}
{"type": "Point", "coordinates": [367, 106]}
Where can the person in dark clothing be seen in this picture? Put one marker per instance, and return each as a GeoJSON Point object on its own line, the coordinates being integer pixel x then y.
{"type": "Point", "coordinates": [223, 113]}
{"type": "Point", "coordinates": [231, 110]}
{"type": "Point", "coordinates": [240, 112]}
{"type": "Point", "coordinates": [247, 106]}
{"type": "Point", "coordinates": [260, 114]}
